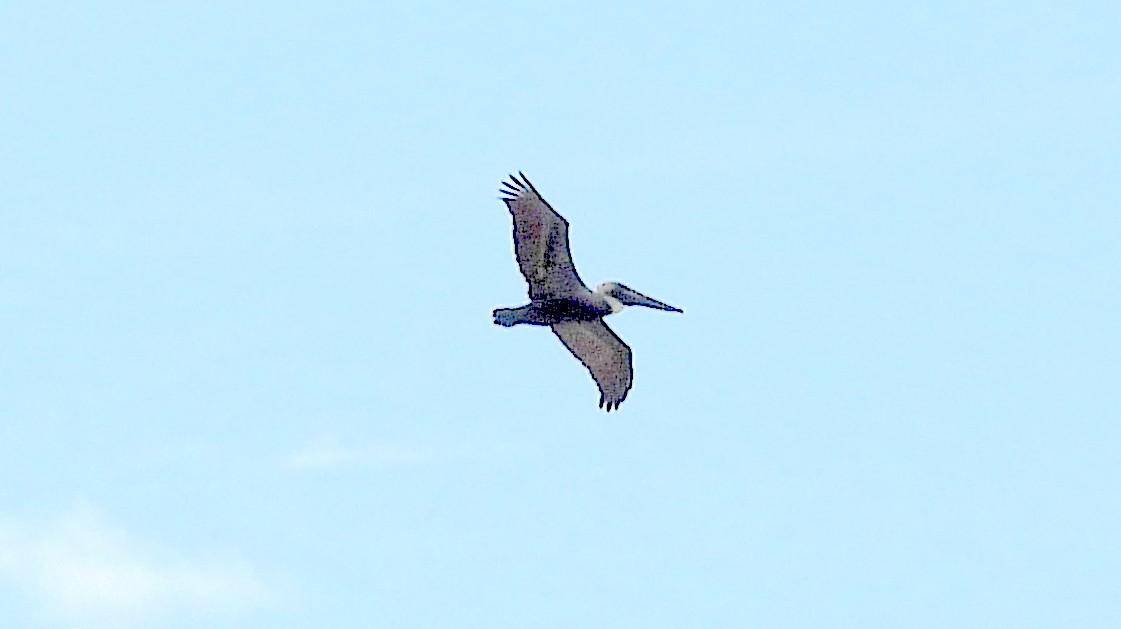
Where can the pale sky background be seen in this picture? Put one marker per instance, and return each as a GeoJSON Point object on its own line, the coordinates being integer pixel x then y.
{"type": "Point", "coordinates": [248, 376]}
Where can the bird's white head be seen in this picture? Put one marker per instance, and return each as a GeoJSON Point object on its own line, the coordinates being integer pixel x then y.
{"type": "Point", "coordinates": [607, 290]}
{"type": "Point", "coordinates": [619, 296]}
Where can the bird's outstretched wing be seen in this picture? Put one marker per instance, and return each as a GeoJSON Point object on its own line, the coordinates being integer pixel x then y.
{"type": "Point", "coordinates": [540, 242]}
{"type": "Point", "coordinates": [605, 355]}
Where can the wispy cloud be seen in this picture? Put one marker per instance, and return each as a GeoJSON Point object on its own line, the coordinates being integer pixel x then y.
{"type": "Point", "coordinates": [83, 570]}
{"type": "Point", "coordinates": [322, 454]}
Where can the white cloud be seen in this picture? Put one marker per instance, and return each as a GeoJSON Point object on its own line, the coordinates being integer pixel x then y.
{"type": "Point", "coordinates": [82, 570]}
{"type": "Point", "coordinates": [325, 455]}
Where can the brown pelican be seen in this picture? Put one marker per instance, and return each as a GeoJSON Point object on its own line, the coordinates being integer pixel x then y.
{"type": "Point", "coordinates": [561, 300]}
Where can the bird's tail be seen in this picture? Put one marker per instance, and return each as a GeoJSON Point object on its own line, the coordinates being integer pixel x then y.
{"type": "Point", "coordinates": [507, 317]}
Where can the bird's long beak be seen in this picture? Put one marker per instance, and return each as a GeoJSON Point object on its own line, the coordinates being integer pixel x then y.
{"type": "Point", "coordinates": [631, 297]}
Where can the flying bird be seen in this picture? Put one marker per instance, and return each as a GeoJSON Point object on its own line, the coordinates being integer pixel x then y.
{"type": "Point", "coordinates": [561, 300]}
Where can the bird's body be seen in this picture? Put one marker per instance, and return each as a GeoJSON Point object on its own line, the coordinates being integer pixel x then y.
{"type": "Point", "coordinates": [561, 300]}
{"type": "Point", "coordinates": [580, 307]}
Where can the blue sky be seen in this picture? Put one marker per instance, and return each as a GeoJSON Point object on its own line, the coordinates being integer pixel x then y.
{"type": "Point", "coordinates": [248, 254]}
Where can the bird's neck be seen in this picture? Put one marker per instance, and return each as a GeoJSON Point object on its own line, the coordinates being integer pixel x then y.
{"type": "Point", "coordinates": [613, 303]}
